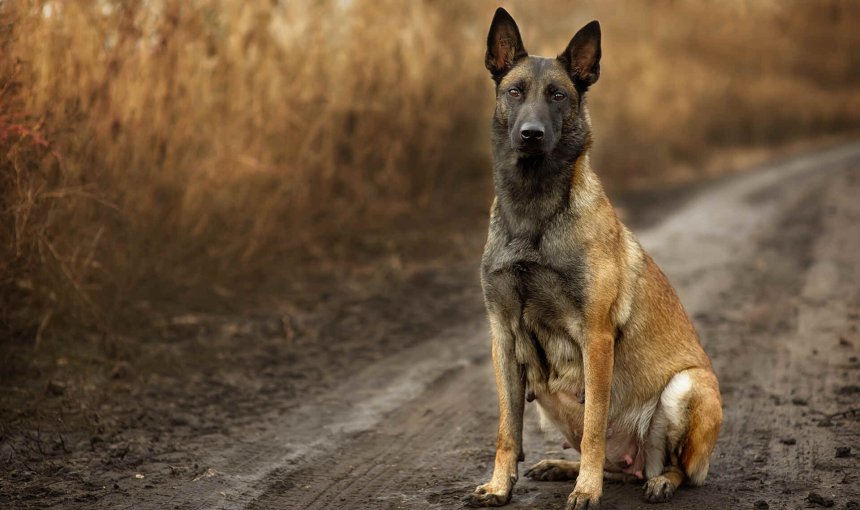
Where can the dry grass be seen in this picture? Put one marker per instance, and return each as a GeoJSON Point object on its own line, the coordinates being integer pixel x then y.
{"type": "Point", "coordinates": [151, 148]}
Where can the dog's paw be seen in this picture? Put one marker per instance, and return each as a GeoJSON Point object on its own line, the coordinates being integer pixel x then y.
{"type": "Point", "coordinates": [551, 470]}
{"type": "Point", "coordinates": [583, 501]}
{"type": "Point", "coordinates": [488, 495]}
{"type": "Point", "coordinates": [658, 489]}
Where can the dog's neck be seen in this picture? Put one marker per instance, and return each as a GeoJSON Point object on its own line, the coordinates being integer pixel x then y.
{"type": "Point", "coordinates": [530, 192]}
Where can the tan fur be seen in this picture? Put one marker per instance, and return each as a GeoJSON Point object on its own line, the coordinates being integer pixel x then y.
{"type": "Point", "coordinates": [635, 296]}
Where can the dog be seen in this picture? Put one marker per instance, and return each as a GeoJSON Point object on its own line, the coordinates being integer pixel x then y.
{"type": "Point", "coordinates": [583, 321]}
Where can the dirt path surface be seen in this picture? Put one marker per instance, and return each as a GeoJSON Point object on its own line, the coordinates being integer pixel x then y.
{"type": "Point", "coordinates": [401, 412]}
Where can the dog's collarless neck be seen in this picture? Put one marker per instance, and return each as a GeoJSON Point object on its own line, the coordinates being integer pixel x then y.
{"type": "Point", "coordinates": [529, 203]}
{"type": "Point", "coordinates": [530, 195]}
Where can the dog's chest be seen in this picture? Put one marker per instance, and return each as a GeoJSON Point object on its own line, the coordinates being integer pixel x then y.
{"type": "Point", "coordinates": [543, 283]}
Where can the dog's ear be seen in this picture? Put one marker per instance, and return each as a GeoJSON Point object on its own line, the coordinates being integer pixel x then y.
{"type": "Point", "coordinates": [581, 58]}
{"type": "Point", "coordinates": [504, 45]}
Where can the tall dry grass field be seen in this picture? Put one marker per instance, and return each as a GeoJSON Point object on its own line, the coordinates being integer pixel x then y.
{"type": "Point", "coordinates": [153, 148]}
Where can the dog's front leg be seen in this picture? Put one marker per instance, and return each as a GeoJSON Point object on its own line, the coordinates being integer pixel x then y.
{"type": "Point", "coordinates": [598, 353]}
{"type": "Point", "coordinates": [510, 383]}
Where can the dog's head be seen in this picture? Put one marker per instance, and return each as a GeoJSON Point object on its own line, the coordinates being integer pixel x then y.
{"type": "Point", "coordinates": [539, 101]}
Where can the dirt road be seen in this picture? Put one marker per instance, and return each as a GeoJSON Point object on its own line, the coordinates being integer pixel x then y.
{"type": "Point", "coordinates": [767, 263]}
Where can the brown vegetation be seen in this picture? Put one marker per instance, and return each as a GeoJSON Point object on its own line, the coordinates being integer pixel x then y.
{"type": "Point", "coordinates": [155, 149]}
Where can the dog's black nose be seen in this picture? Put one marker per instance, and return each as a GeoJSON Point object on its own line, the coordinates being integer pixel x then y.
{"type": "Point", "coordinates": [531, 131]}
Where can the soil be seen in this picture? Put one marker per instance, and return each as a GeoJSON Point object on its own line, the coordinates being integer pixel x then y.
{"type": "Point", "coordinates": [368, 384]}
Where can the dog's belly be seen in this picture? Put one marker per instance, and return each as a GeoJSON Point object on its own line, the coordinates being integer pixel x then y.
{"type": "Point", "coordinates": [625, 450]}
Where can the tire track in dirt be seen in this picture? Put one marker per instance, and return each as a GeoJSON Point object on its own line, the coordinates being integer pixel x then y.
{"type": "Point", "coordinates": [283, 442]}
{"type": "Point", "coordinates": [376, 462]}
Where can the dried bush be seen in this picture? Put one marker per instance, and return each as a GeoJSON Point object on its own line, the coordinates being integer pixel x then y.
{"type": "Point", "coordinates": [161, 150]}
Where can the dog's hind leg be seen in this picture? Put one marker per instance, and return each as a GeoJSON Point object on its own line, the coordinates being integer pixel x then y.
{"type": "Point", "coordinates": [665, 437]}
{"type": "Point", "coordinates": [661, 487]}
{"type": "Point", "coordinates": [683, 432]}
{"type": "Point", "coordinates": [551, 470]}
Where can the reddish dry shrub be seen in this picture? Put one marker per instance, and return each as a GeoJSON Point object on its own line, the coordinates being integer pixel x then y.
{"type": "Point", "coordinates": [38, 280]}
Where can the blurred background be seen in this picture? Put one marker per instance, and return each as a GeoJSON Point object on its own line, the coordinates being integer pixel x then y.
{"type": "Point", "coordinates": [217, 209]}
{"type": "Point", "coordinates": [173, 153]}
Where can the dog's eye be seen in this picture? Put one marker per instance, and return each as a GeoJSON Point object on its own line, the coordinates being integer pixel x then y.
{"type": "Point", "coordinates": [558, 96]}
{"type": "Point", "coordinates": [514, 92]}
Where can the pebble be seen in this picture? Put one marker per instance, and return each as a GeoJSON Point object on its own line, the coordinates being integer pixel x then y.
{"type": "Point", "coordinates": [850, 389]}
{"type": "Point", "coordinates": [56, 388]}
{"type": "Point", "coordinates": [816, 499]}
{"type": "Point", "coordinates": [843, 451]}
{"type": "Point", "coordinates": [121, 370]}
{"type": "Point", "coordinates": [788, 440]}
